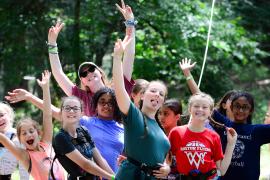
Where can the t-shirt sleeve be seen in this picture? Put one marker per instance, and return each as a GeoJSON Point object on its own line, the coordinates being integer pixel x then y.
{"type": "Point", "coordinates": [62, 144]}
{"type": "Point", "coordinates": [217, 151]}
{"type": "Point", "coordinates": [134, 118]}
{"type": "Point", "coordinates": [220, 118]}
{"type": "Point", "coordinates": [262, 133]}
{"type": "Point", "coordinates": [174, 139]}
{"type": "Point", "coordinates": [129, 85]}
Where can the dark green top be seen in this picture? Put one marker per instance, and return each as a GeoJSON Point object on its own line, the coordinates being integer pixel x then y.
{"type": "Point", "coordinates": [150, 150]}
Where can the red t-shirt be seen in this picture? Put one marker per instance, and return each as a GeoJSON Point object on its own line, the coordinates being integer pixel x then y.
{"type": "Point", "coordinates": [195, 150]}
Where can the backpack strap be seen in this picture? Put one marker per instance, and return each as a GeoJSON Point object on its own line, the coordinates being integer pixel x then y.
{"type": "Point", "coordinates": [51, 170]}
{"type": "Point", "coordinates": [30, 164]}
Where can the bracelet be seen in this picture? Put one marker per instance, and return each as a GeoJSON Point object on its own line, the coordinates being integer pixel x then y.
{"type": "Point", "coordinates": [131, 22]}
{"type": "Point", "coordinates": [51, 45]}
{"type": "Point", "coordinates": [113, 178]}
{"type": "Point", "coordinates": [53, 49]}
{"type": "Point", "coordinates": [189, 77]}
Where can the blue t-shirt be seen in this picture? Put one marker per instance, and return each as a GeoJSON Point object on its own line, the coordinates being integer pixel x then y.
{"type": "Point", "coordinates": [245, 162]}
{"type": "Point", "coordinates": [151, 149]}
{"type": "Point", "coordinates": [108, 136]}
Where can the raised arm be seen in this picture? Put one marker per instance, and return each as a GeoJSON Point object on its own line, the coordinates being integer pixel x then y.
{"type": "Point", "coordinates": [185, 66]}
{"type": "Point", "coordinates": [122, 97]}
{"type": "Point", "coordinates": [129, 52]}
{"type": "Point", "coordinates": [223, 165]}
{"type": "Point", "coordinates": [18, 95]}
{"type": "Point", "coordinates": [88, 165]}
{"type": "Point", "coordinates": [18, 152]}
{"type": "Point", "coordinates": [47, 111]}
{"type": "Point", "coordinates": [63, 81]}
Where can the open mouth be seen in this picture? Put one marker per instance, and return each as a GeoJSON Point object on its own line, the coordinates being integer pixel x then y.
{"type": "Point", "coordinates": [2, 124]}
{"type": "Point", "coordinates": [30, 142]}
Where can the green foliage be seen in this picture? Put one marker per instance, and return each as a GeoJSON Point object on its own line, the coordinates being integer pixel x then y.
{"type": "Point", "coordinates": [168, 31]}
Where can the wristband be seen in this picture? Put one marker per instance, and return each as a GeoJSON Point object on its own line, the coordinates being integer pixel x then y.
{"type": "Point", "coordinates": [131, 22]}
{"type": "Point", "coordinates": [113, 178]}
{"type": "Point", "coordinates": [53, 49]}
{"type": "Point", "coordinates": [51, 45]}
{"type": "Point", "coordinates": [189, 77]}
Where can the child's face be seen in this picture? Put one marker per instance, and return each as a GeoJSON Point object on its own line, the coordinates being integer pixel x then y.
{"type": "Point", "coordinates": [154, 96]}
{"type": "Point", "coordinates": [200, 109]}
{"type": "Point", "coordinates": [241, 109]}
{"type": "Point", "coordinates": [71, 111]}
{"type": "Point", "coordinates": [4, 121]}
{"type": "Point", "coordinates": [29, 136]}
{"type": "Point", "coordinates": [167, 118]}
{"type": "Point", "coordinates": [105, 107]}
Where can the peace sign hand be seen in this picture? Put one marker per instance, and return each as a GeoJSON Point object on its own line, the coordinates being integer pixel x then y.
{"type": "Point", "coordinates": [125, 10]}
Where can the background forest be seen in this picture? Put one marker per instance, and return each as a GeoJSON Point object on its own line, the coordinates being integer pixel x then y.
{"type": "Point", "coordinates": [168, 30]}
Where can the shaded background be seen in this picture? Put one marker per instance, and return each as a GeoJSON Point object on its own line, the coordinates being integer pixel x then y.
{"type": "Point", "coordinates": [167, 31]}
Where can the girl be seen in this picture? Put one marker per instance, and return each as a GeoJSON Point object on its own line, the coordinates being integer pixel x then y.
{"type": "Point", "coordinates": [246, 157]}
{"type": "Point", "coordinates": [38, 153]}
{"type": "Point", "coordinates": [74, 147]}
{"type": "Point", "coordinates": [146, 145]}
{"type": "Point", "coordinates": [8, 163]}
{"type": "Point", "coordinates": [92, 78]}
{"type": "Point", "coordinates": [197, 149]}
{"type": "Point", "coordinates": [169, 115]}
{"type": "Point", "coordinates": [106, 127]}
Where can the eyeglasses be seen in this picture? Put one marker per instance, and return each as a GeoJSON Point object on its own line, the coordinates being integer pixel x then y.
{"type": "Point", "coordinates": [69, 108]}
{"type": "Point", "coordinates": [244, 108]}
{"type": "Point", "coordinates": [103, 103]}
{"type": "Point", "coordinates": [85, 72]}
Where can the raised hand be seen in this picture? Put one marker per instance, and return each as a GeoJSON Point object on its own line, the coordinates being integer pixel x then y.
{"type": "Point", "coordinates": [125, 10]}
{"type": "Point", "coordinates": [17, 95]}
{"type": "Point", "coordinates": [185, 64]}
{"type": "Point", "coordinates": [118, 49]}
{"type": "Point", "coordinates": [54, 31]}
{"type": "Point", "coordinates": [46, 75]}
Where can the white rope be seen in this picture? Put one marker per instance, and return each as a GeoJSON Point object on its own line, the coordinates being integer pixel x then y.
{"type": "Point", "coordinates": [207, 42]}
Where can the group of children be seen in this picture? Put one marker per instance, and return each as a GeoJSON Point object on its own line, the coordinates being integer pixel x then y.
{"type": "Point", "coordinates": [130, 131]}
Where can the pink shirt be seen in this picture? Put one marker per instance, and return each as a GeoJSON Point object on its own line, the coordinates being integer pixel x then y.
{"type": "Point", "coordinates": [41, 163]}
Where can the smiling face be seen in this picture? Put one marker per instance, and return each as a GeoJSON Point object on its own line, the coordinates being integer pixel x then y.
{"type": "Point", "coordinates": [200, 107]}
{"type": "Point", "coordinates": [200, 110]}
{"type": "Point", "coordinates": [154, 96]}
{"type": "Point", "coordinates": [105, 106]}
{"type": "Point", "coordinates": [6, 117]}
{"type": "Point", "coordinates": [93, 80]}
{"type": "Point", "coordinates": [241, 109]}
{"type": "Point", "coordinates": [4, 121]}
{"type": "Point", "coordinates": [71, 110]}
